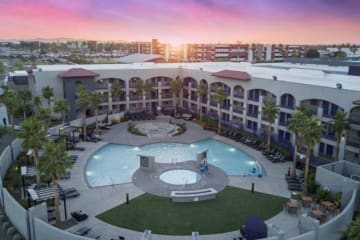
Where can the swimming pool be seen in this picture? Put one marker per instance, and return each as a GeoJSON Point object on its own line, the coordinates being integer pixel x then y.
{"type": "Point", "coordinates": [115, 163]}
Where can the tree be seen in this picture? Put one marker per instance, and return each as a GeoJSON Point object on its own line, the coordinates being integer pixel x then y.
{"type": "Point", "coordinates": [61, 106]}
{"type": "Point", "coordinates": [340, 54]}
{"type": "Point", "coordinates": [2, 68]}
{"type": "Point", "coordinates": [37, 103]}
{"type": "Point", "coordinates": [12, 103]}
{"type": "Point", "coordinates": [83, 102]}
{"type": "Point", "coordinates": [148, 89]}
{"type": "Point", "coordinates": [25, 95]}
{"type": "Point", "coordinates": [339, 125]}
{"type": "Point", "coordinates": [296, 125]}
{"type": "Point", "coordinates": [95, 101]}
{"type": "Point", "coordinates": [116, 90]}
{"type": "Point", "coordinates": [19, 65]}
{"type": "Point", "coordinates": [312, 53]}
{"type": "Point", "coordinates": [354, 230]}
{"type": "Point", "coordinates": [34, 136]}
{"type": "Point", "coordinates": [139, 86]}
{"type": "Point", "coordinates": [176, 87]}
{"type": "Point", "coordinates": [48, 93]}
{"type": "Point", "coordinates": [44, 115]}
{"type": "Point", "coordinates": [353, 48]}
{"type": "Point", "coordinates": [219, 96]}
{"type": "Point", "coordinates": [270, 111]}
{"type": "Point", "coordinates": [311, 134]}
{"type": "Point", "coordinates": [201, 91]}
{"type": "Point", "coordinates": [3, 130]}
{"type": "Point", "coordinates": [53, 164]}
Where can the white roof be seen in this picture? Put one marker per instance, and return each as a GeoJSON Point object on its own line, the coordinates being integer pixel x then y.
{"type": "Point", "coordinates": [138, 58]}
{"type": "Point", "coordinates": [18, 73]}
{"type": "Point", "coordinates": [318, 75]}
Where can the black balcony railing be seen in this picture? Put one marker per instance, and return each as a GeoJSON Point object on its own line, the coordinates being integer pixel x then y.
{"type": "Point", "coordinates": [239, 95]}
{"type": "Point", "coordinates": [292, 107]}
{"type": "Point", "coordinates": [254, 115]}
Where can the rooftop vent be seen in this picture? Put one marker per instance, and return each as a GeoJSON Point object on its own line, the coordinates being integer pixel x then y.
{"type": "Point", "coordinates": [274, 78]}
{"type": "Point", "coordinates": [339, 86]}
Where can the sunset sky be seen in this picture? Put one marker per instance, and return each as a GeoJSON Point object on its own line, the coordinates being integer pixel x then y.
{"type": "Point", "coordinates": [184, 21]}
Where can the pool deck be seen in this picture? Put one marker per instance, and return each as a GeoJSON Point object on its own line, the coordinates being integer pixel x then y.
{"type": "Point", "coordinates": [96, 200]}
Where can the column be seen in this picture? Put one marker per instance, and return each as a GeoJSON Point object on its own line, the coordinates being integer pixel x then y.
{"type": "Point", "coordinates": [259, 119]}
{"type": "Point", "coordinates": [127, 94]}
{"type": "Point", "coordinates": [276, 122]}
{"type": "Point", "coordinates": [245, 107]}
{"type": "Point", "coordinates": [231, 104]}
{"type": "Point", "coordinates": [110, 108]}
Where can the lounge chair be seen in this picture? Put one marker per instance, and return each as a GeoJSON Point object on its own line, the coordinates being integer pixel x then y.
{"type": "Point", "coordinates": [82, 231]}
{"type": "Point", "coordinates": [92, 236]}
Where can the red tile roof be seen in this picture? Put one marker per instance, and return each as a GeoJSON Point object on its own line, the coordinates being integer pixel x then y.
{"type": "Point", "coordinates": [356, 102]}
{"type": "Point", "coordinates": [239, 75]}
{"type": "Point", "coordinates": [77, 72]}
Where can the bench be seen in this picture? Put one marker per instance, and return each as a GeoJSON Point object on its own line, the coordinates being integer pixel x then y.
{"type": "Point", "coordinates": [210, 128]}
{"type": "Point", "coordinates": [193, 195]}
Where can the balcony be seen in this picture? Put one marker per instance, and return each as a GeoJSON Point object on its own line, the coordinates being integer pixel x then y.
{"type": "Point", "coordinates": [253, 115]}
{"type": "Point", "coordinates": [193, 98]}
{"type": "Point", "coordinates": [238, 109]}
{"type": "Point", "coordinates": [101, 86]}
{"type": "Point", "coordinates": [331, 116]}
{"type": "Point", "coordinates": [283, 123]}
{"type": "Point", "coordinates": [135, 98]}
{"type": "Point", "coordinates": [292, 107]}
{"type": "Point", "coordinates": [193, 85]}
{"type": "Point", "coordinates": [254, 98]}
{"type": "Point", "coordinates": [166, 95]}
{"type": "Point", "coordinates": [353, 141]}
{"type": "Point", "coordinates": [354, 118]}
{"type": "Point", "coordinates": [328, 136]}
{"type": "Point", "coordinates": [239, 95]}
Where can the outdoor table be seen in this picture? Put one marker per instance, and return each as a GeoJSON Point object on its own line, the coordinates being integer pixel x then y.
{"type": "Point", "coordinates": [292, 207]}
{"type": "Point", "coordinates": [327, 205]}
{"type": "Point", "coordinates": [318, 215]}
{"type": "Point", "coordinates": [307, 201]}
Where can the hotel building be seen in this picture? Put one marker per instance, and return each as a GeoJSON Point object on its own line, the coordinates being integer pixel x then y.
{"type": "Point", "coordinates": [322, 90]}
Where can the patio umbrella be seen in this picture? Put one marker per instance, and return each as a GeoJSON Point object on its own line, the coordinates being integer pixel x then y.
{"type": "Point", "coordinates": [255, 228]}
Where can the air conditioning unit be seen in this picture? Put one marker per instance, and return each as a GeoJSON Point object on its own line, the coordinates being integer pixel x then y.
{"type": "Point", "coordinates": [274, 78]}
{"type": "Point", "coordinates": [339, 86]}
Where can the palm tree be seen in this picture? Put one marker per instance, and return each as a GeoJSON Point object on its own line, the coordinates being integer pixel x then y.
{"type": "Point", "coordinates": [296, 125]}
{"type": "Point", "coordinates": [219, 96]}
{"type": "Point", "coordinates": [270, 111]}
{"type": "Point", "coordinates": [139, 86]}
{"type": "Point", "coordinates": [37, 103]}
{"type": "Point", "coordinates": [34, 136]}
{"type": "Point", "coordinates": [12, 103]}
{"type": "Point", "coordinates": [311, 133]}
{"type": "Point", "coordinates": [176, 87]}
{"type": "Point", "coordinates": [25, 95]}
{"type": "Point", "coordinates": [353, 48]}
{"type": "Point", "coordinates": [116, 90]}
{"type": "Point", "coordinates": [95, 101]}
{"type": "Point", "coordinates": [61, 106]}
{"type": "Point", "coordinates": [44, 115]}
{"type": "Point", "coordinates": [201, 91]}
{"type": "Point", "coordinates": [83, 102]}
{"type": "Point", "coordinates": [53, 164]}
{"type": "Point", "coordinates": [339, 125]}
{"type": "Point", "coordinates": [148, 89]}
{"type": "Point", "coordinates": [48, 93]}
{"type": "Point", "coordinates": [354, 230]}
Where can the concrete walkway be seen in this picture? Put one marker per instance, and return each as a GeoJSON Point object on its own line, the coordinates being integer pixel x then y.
{"type": "Point", "coordinates": [94, 201]}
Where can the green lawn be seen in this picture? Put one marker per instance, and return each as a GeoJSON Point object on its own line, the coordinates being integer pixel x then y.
{"type": "Point", "coordinates": [225, 213]}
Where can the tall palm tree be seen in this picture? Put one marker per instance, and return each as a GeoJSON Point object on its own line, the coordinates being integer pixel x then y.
{"type": "Point", "coordinates": [36, 103]}
{"type": "Point", "coordinates": [48, 93]}
{"type": "Point", "coordinates": [176, 87]}
{"type": "Point", "coordinates": [219, 96]}
{"type": "Point", "coordinates": [116, 90]}
{"type": "Point", "coordinates": [25, 95]}
{"type": "Point", "coordinates": [311, 133]}
{"type": "Point", "coordinates": [139, 86]}
{"type": "Point", "coordinates": [95, 102]}
{"type": "Point", "coordinates": [201, 91]}
{"type": "Point", "coordinates": [296, 125]}
{"type": "Point", "coordinates": [34, 136]}
{"type": "Point", "coordinates": [270, 111]}
{"type": "Point", "coordinates": [53, 164]}
{"type": "Point", "coordinates": [12, 103]}
{"type": "Point", "coordinates": [83, 102]}
{"type": "Point", "coordinates": [148, 89]}
{"type": "Point", "coordinates": [61, 106]}
{"type": "Point", "coordinates": [339, 125]}
{"type": "Point", "coordinates": [44, 115]}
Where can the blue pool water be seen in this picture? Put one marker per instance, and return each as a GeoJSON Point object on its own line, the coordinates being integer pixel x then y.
{"type": "Point", "coordinates": [114, 163]}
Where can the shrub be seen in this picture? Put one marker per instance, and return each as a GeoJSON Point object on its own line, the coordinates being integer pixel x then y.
{"type": "Point", "coordinates": [323, 195]}
{"type": "Point", "coordinates": [133, 129]}
{"type": "Point", "coordinates": [181, 128]}
{"type": "Point", "coordinates": [354, 230]}
{"type": "Point", "coordinates": [313, 186]}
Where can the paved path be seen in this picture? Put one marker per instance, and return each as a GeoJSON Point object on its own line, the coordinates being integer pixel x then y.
{"type": "Point", "coordinates": [94, 201]}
